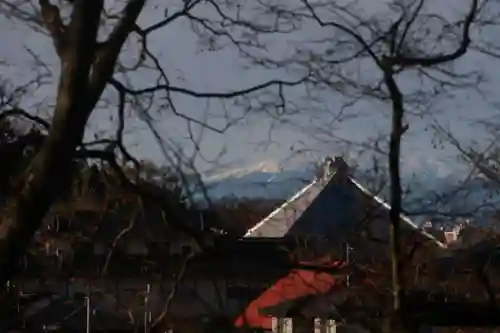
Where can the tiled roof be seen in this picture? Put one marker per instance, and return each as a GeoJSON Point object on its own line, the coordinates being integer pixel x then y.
{"type": "Point", "coordinates": [330, 207]}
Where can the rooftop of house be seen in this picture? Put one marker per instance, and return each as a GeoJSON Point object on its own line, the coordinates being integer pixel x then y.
{"type": "Point", "coordinates": [332, 206]}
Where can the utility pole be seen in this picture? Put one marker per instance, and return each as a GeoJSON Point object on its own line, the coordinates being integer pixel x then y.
{"type": "Point", "coordinates": [147, 313]}
{"type": "Point", "coordinates": [88, 313]}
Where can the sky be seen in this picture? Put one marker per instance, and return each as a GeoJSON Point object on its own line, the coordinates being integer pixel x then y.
{"type": "Point", "coordinates": [189, 65]}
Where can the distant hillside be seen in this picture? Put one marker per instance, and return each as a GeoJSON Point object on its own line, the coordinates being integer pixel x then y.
{"type": "Point", "coordinates": [427, 193]}
{"type": "Point", "coordinates": [269, 185]}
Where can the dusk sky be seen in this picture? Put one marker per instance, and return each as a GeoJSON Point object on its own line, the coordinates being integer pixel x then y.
{"type": "Point", "coordinates": [218, 71]}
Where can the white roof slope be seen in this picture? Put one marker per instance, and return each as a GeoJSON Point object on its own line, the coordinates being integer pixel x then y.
{"type": "Point", "coordinates": [326, 207]}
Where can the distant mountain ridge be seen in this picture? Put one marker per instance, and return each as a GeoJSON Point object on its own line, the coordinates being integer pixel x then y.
{"type": "Point", "coordinates": [259, 184]}
{"type": "Point", "coordinates": [264, 166]}
{"type": "Point", "coordinates": [429, 192]}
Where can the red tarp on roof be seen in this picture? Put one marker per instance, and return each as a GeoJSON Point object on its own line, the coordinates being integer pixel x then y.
{"type": "Point", "coordinates": [297, 284]}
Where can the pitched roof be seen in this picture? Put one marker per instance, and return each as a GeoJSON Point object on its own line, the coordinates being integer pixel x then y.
{"type": "Point", "coordinates": [327, 207]}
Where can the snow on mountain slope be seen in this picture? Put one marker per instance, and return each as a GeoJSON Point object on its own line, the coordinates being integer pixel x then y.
{"type": "Point", "coordinates": [264, 166]}
{"type": "Point", "coordinates": [430, 190]}
{"type": "Point", "coordinates": [259, 184]}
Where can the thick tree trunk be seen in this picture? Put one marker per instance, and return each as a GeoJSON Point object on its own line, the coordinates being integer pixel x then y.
{"type": "Point", "coordinates": [50, 170]}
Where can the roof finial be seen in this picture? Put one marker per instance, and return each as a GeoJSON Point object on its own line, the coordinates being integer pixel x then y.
{"type": "Point", "coordinates": [340, 166]}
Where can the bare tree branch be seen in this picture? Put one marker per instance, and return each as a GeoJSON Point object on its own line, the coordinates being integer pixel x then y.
{"type": "Point", "coordinates": [52, 19]}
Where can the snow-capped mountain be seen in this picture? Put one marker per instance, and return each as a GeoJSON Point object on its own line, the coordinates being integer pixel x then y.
{"type": "Point", "coordinates": [266, 179]}
{"type": "Point", "coordinates": [264, 167]}
{"type": "Point", "coordinates": [259, 184]}
{"type": "Point", "coordinates": [428, 192]}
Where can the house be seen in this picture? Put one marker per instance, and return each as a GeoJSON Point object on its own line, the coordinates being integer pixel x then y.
{"type": "Point", "coordinates": [332, 206]}
{"type": "Point", "coordinates": [449, 230]}
{"type": "Point", "coordinates": [292, 263]}
{"type": "Point", "coordinates": [333, 212]}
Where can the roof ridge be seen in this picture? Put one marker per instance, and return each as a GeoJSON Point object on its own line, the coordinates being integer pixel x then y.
{"type": "Point", "coordinates": [289, 201]}
{"type": "Point", "coordinates": [292, 199]}
{"type": "Point", "coordinates": [402, 216]}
